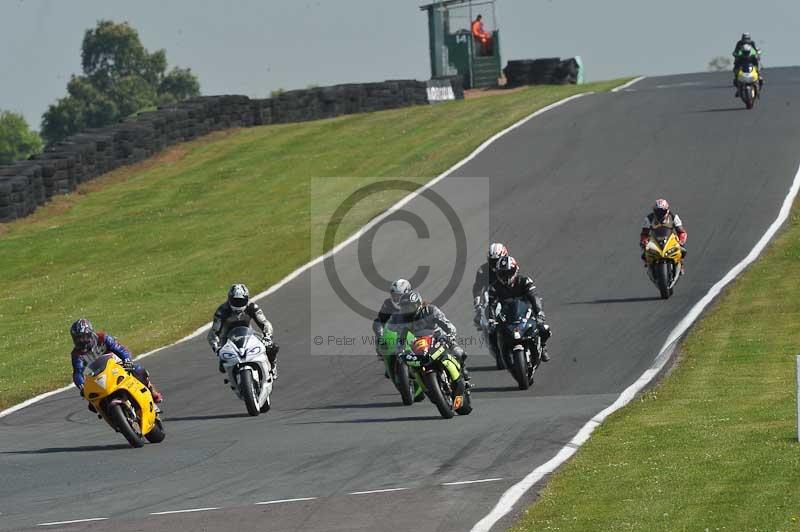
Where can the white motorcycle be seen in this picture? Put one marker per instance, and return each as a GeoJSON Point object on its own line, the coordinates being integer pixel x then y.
{"type": "Point", "coordinates": [244, 358]}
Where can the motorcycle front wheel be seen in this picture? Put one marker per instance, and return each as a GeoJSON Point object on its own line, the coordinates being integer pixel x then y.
{"type": "Point", "coordinates": [120, 420]}
{"type": "Point", "coordinates": [662, 278]}
{"type": "Point", "coordinates": [434, 393]}
{"type": "Point", "coordinates": [521, 369]}
{"type": "Point", "coordinates": [248, 390]}
{"type": "Point", "coordinates": [403, 382]}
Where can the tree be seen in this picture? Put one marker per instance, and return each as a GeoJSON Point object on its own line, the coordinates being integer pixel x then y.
{"type": "Point", "coordinates": [120, 77]}
{"type": "Point", "coordinates": [17, 141]}
{"type": "Point", "coordinates": [720, 64]}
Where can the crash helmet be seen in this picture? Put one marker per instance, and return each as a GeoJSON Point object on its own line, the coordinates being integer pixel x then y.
{"type": "Point", "coordinates": [83, 335]}
{"type": "Point", "coordinates": [238, 297]}
{"type": "Point", "coordinates": [496, 250]}
{"type": "Point", "coordinates": [746, 37]}
{"type": "Point", "coordinates": [507, 270]}
{"type": "Point", "coordinates": [661, 210]}
{"type": "Point", "coordinates": [410, 302]}
{"type": "Point", "coordinates": [399, 287]}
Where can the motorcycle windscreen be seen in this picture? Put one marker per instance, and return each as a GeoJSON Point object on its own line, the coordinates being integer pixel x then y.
{"type": "Point", "coordinates": [515, 310]}
{"type": "Point", "coordinates": [239, 336]}
{"type": "Point", "coordinates": [98, 365]}
{"type": "Point", "coordinates": [662, 234]}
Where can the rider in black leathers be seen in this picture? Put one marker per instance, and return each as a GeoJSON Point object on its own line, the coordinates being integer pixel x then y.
{"type": "Point", "coordinates": [485, 276]}
{"type": "Point", "coordinates": [511, 285]}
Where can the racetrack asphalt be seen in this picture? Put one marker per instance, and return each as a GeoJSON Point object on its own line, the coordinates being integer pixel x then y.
{"type": "Point", "coordinates": [567, 193]}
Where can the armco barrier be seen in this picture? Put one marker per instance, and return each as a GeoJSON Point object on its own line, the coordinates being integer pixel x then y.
{"type": "Point", "coordinates": [25, 185]}
{"type": "Point", "coordinates": [550, 71]}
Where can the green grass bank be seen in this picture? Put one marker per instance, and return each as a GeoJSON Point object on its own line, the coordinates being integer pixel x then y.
{"type": "Point", "coordinates": [714, 446]}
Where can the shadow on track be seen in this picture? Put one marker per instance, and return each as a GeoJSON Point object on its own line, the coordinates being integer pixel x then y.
{"type": "Point", "coordinates": [478, 369]}
{"type": "Point", "coordinates": [207, 417]}
{"type": "Point", "coordinates": [724, 110]}
{"type": "Point", "coordinates": [80, 449]}
{"type": "Point", "coordinates": [619, 300]}
{"type": "Point", "coordinates": [354, 406]}
{"type": "Point", "coordinates": [368, 420]}
{"type": "Point", "coordinates": [487, 389]}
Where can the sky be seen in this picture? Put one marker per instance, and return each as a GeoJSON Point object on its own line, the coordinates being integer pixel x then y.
{"type": "Point", "coordinates": [253, 47]}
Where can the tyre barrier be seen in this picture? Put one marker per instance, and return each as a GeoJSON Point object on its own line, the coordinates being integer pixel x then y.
{"type": "Point", "coordinates": [24, 185]}
{"type": "Point", "coordinates": [548, 71]}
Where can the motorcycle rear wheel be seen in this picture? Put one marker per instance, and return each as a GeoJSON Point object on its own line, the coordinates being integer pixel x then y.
{"type": "Point", "coordinates": [158, 433]}
{"type": "Point", "coordinates": [434, 393]}
{"type": "Point", "coordinates": [120, 420]}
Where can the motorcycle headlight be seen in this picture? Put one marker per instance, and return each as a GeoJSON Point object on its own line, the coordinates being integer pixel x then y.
{"type": "Point", "coordinates": [253, 350]}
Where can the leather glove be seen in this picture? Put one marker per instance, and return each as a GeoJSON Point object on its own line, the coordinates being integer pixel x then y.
{"type": "Point", "coordinates": [128, 364]}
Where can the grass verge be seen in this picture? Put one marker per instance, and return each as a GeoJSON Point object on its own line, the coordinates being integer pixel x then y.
{"type": "Point", "coordinates": [714, 446]}
{"type": "Point", "coordinates": [147, 252]}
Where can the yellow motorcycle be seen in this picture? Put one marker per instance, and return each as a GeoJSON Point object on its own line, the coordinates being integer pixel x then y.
{"type": "Point", "coordinates": [123, 401]}
{"type": "Point", "coordinates": [664, 259]}
{"type": "Point", "coordinates": [748, 80]}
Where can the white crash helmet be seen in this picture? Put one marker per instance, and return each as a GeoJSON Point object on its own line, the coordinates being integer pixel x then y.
{"type": "Point", "coordinates": [399, 287]}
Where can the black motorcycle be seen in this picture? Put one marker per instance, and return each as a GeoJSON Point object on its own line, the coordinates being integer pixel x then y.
{"type": "Point", "coordinates": [519, 343]}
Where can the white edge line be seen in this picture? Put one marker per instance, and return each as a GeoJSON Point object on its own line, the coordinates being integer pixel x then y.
{"type": "Point", "coordinates": [387, 490]}
{"type": "Point", "coordinates": [54, 523]}
{"type": "Point", "coordinates": [190, 510]}
{"type": "Point", "coordinates": [278, 501]}
{"type": "Point", "coordinates": [471, 481]}
{"type": "Point", "coordinates": [515, 492]}
{"type": "Point", "coordinates": [372, 223]}
{"type": "Point", "coordinates": [626, 85]}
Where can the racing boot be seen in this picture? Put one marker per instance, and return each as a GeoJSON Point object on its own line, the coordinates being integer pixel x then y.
{"type": "Point", "coordinates": [274, 371]}
{"type": "Point", "coordinates": [546, 334]}
{"type": "Point", "coordinates": [144, 377]}
{"type": "Point", "coordinates": [157, 397]}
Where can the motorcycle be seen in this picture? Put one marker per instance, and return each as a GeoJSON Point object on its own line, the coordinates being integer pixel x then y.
{"type": "Point", "coordinates": [244, 359]}
{"type": "Point", "coordinates": [748, 81]}
{"type": "Point", "coordinates": [664, 259]}
{"type": "Point", "coordinates": [410, 390]}
{"type": "Point", "coordinates": [438, 372]}
{"type": "Point", "coordinates": [123, 401]}
{"type": "Point", "coordinates": [519, 344]}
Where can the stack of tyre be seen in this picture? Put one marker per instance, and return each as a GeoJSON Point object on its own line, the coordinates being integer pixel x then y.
{"type": "Point", "coordinates": [548, 71]}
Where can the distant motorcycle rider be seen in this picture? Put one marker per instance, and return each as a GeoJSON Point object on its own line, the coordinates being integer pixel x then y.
{"type": "Point", "coordinates": [663, 217]}
{"type": "Point", "coordinates": [416, 315]}
{"type": "Point", "coordinates": [238, 311]}
{"type": "Point", "coordinates": [388, 308]}
{"type": "Point", "coordinates": [485, 276]}
{"type": "Point", "coordinates": [510, 284]}
{"type": "Point", "coordinates": [744, 52]}
{"type": "Point", "coordinates": [88, 345]}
